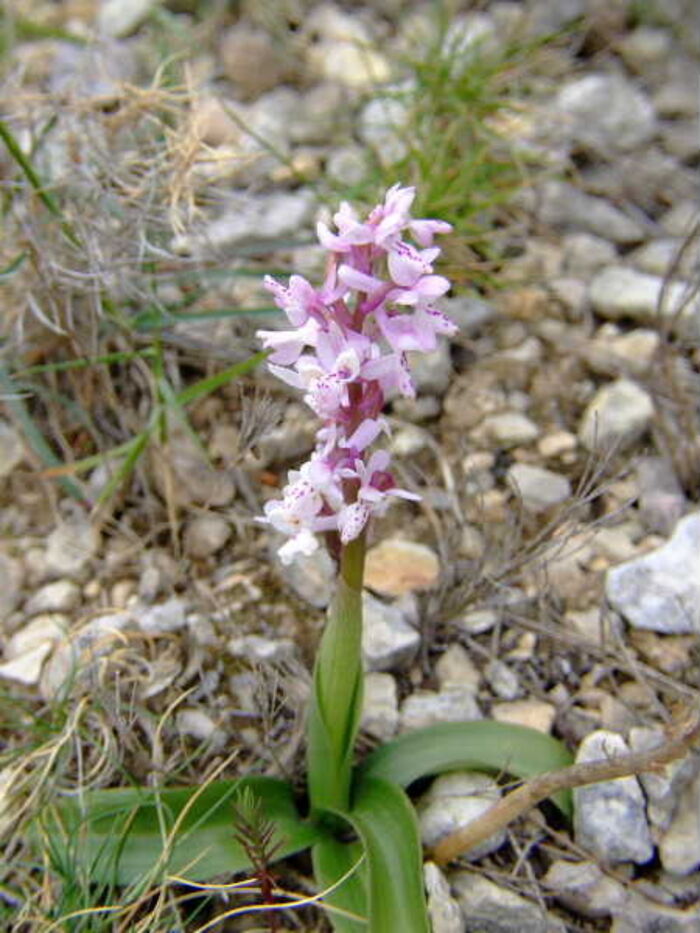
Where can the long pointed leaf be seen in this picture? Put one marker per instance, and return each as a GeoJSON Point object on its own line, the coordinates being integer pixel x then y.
{"type": "Point", "coordinates": [386, 823]}
{"type": "Point", "coordinates": [480, 746]}
{"type": "Point", "coordinates": [122, 835]}
{"type": "Point", "coordinates": [332, 861]}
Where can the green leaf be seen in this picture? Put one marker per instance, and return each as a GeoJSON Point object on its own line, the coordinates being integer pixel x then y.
{"type": "Point", "coordinates": [332, 861]}
{"type": "Point", "coordinates": [125, 835]}
{"type": "Point", "coordinates": [386, 822]}
{"type": "Point", "coordinates": [157, 318]}
{"type": "Point", "coordinates": [13, 266]}
{"type": "Point", "coordinates": [479, 746]}
{"type": "Point", "coordinates": [41, 447]}
{"type": "Point", "coordinates": [212, 383]}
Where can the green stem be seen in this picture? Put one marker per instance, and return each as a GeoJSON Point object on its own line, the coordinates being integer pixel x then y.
{"type": "Point", "coordinates": [336, 704]}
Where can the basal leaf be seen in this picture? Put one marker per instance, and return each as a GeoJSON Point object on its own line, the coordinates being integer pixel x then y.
{"type": "Point", "coordinates": [481, 745]}
{"type": "Point", "coordinates": [122, 835]}
{"type": "Point", "coordinates": [332, 861]}
{"type": "Point", "coordinates": [386, 822]}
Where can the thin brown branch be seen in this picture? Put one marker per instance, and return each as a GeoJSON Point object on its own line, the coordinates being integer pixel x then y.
{"type": "Point", "coordinates": [681, 737]}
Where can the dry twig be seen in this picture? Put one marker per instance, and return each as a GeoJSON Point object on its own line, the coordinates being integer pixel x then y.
{"type": "Point", "coordinates": [681, 737]}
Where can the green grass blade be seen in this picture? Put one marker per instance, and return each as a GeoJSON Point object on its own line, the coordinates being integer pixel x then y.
{"type": "Point", "coordinates": [333, 860]}
{"type": "Point", "coordinates": [135, 448]}
{"type": "Point", "coordinates": [157, 318]}
{"type": "Point", "coordinates": [46, 198]}
{"type": "Point", "coordinates": [12, 266]}
{"type": "Point", "coordinates": [122, 835]}
{"type": "Point", "coordinates": [386, 822]}
{"type": "Point", "coordinates": [122, 356]}
{"type": "Point", "coordinates": [32, 433]}
{"type": "Point", "coordinates": [481, 745]}
{"type": "Point", "coordinates": [211, 383]}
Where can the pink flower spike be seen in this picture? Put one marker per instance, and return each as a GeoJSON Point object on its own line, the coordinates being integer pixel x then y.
{"type": "Point", "coordinates": [290, 376]}
{"type": "Point", "coordinates": [407, 264]}
{"type": "Point", "coordinates": [425, 230]}
{"type": "Point", "coordinates": [296, 300]}
{"type": "Point", "coordinates": [437, 319]}
{"type": "Point", "coordinates": [367, 433]}
{"type": "Point", "coordinates": [331, 241]}
{"type": "Point", "coordinates": [287, 345]}
{"type": "Point", "coordinates": [404, 332]}
{"type": "Point", "coordinates": [347, 354]}
{"type": "Point", "coordinates": [351, 520]}
{"type": "Point", "coordinates": [425, 289]}
{"type": "Point", "coordinates": [361, 282]}
{"type": "Point", "coordinates": [392, 373]}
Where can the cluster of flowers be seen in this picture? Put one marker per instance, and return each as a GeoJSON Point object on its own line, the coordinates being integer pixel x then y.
{"type": "Point", "coordinates": [347, 352]}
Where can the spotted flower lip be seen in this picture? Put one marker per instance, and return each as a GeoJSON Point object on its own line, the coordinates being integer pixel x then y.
{"type": "Point", "coordinates": [347, 352]}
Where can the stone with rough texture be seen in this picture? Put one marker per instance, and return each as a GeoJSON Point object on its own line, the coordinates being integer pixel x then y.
{"type": "Point", "coordinates": [169, 616]}
{"type": "Point", "coordinates": [11, 449]}
{"type": "Point", "coordinates": [388, 641]}
{"type": "Point", "coordinates": [59, 596]}
{"type": "Point", "coordinates": [11, 579]}
{"type": "Point", "coordinates": [395, 567]}
{"type": "Point", "coordinates": [380, 711]}
{"type": "Point", "coordinates": [26, 651]}
{"type": "Point", "coordinates": [538, 489]}
{"type": "Point", "coordinates": [431, 372]}
{"type": "Point", "coordinates": [347, 165]}
{"type": "Point", "coordinates": [619, 292]}
{"type": "Point", "coordinates": [502, 680]}
{"type": "Point", "coordinates": [584, 888]}
{"type": "Point", "coordinates": [26, 668]}
{"type": "Point", "coordinates": [311, 577]}
{"type": "Point", "coordinates": [489, 908]}
{"type": "Point", "coordinates": [662, 501]}
{"type": "Point", "coordinates": [679, 847]}
{"type": "Point", "coordinates": [348, 64]}
{"type": "Point", "coordinates": [119, 18]}
{"type": "Point", "coordinates": [609, 817]}
{"type": "Point", "coordinates": [246, 219]}
{"type": "Point", "coordinates": [507, 429]}
{"type": "Point", "coordinates": [535, 714]}
{"type": "Point", "coordinates": [198, 724]}
{"type": "Point", "coordinates": [606, 113]}
{"type": "Point", "coordinates": [641, 915]}
{"type": "Point", "coordinates": [252, 61]}
{"type": "Point", "coordinates": [562, 205]}
{"type": "Point", "coordinates": [455, 668]}
{"type": "Point", "coordinates": [612, 353]}
{"type": "Point", "coordinates": [584, 253]}
{"type": "Point", "coordinates": [426, 708]}
{"type": "Point", "coordinates": [617, 415]}
{"type": "Point", "coordinates": [183, 475]}
{"type": "Point", "coordinates": [453, 801]}
{"type": "Point", "coordinates": [343, 50]}
{"type": "Point", "coordinates": [660, 591]}
{"type": "Point", "coordinates": [443, 910]}
{"type": "Point", "coordinates": [666, 254]}
{"type": "Point", "coordinates": [70, 547]}
{"type": "Point", "coordinates": [259, 650]}
{"type": "Point", "coordinates": [668, 800]}
{"type": "Point", "coordinates": [382, 126]}
{"type": "Point", "coordinates": [205, 535]}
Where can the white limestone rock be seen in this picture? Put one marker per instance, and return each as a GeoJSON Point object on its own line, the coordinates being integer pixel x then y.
{"type": "Point", "coordinates": [660, 591]}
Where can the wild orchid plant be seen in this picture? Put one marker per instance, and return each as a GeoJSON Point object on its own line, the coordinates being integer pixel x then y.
{"type": "Point", "coordinates": [346, 350]}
